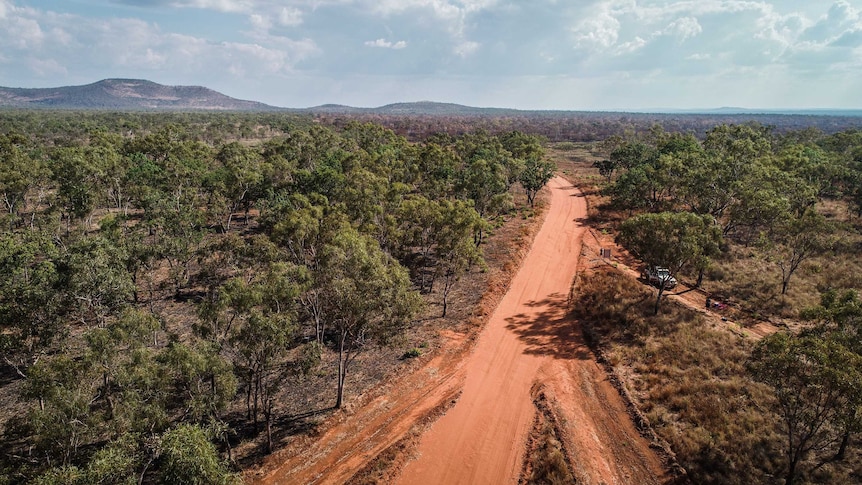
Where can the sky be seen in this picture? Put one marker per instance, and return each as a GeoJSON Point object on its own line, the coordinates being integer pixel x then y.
{"type": "Point", "coordinates": [526, 54]}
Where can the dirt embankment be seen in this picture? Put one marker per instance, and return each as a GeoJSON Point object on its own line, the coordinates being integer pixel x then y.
{"type": "Point", "coordinates": [530, 340]}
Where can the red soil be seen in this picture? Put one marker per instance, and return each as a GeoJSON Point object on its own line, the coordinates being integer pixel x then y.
{"type": "Point", "coordinates": [529, 341]}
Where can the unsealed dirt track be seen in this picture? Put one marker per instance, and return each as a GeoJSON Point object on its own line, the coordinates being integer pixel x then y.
{"type": "Point", "coordinates": [529, 342]}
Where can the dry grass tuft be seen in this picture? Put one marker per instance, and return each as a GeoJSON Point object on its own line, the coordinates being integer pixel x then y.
{"type": "Point", "coordinates": [546, 462]}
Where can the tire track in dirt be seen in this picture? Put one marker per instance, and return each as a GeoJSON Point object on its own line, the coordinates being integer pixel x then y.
{"type": "Point", "coordinates": [529, 340]}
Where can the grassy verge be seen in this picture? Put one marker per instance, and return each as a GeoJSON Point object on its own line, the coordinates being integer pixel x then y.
{"type": "Point", "coordinates": [686, 377]}
{"type": "Point", "coordinates": [547, 461]}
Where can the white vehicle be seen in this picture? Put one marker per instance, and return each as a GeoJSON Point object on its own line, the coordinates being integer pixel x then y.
{"type": "Point", "coordinates": [656, 276]}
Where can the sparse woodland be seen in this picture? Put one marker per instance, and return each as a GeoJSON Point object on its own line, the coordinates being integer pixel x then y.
{"type": "Point", "coordinates": [770, 225]}
{"type": "Point", "coordinates": [169, 277]}
{"type": "Point", "coordinates": [159, 276]}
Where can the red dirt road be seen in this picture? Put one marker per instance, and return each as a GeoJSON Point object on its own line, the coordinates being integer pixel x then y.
{"type": "Point", "coordinates": [530, 341]}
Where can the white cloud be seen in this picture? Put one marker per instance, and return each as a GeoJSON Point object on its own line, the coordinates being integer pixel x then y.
{"type": "Point", "coordinates": [615, 50]}
{"type": "Point", "coordinates": [684, 27]}
{"type": "Point", "coordinates": [154, 59]}
{"type": "Point", "coordinates": [697, 56]}
{"type": "Point", "coordinates": [232, 6]}
{"type": "Point", "coordinates": [850, 38]}
{"type": "Point", "coordinates": [47, 67]}
{"type": "Point", "coordinates": [753, 34]}
{"type": "Point", "coordinates": [386, 44]}
{"type": "Point", "coordinates": [631, 46]}
{"type": "Point", "coordinates": [453, 14]}
{"type": "Point", "coordinates": [260, 22]}
{"type": "Point", "coordinates": [783, 30]}
{"type": "Point", "coordinates": [46, 44]}
{"type": "Point", "coordinates": [24, 33]}
{"type": "Point", "coordinates": [466, 48]}
{"type": "Point", "coordinates": [841, 18]}
{"type": "Point", "coordinates": [243, 59]}
{"type": "Point", "coordinates": [290, 17]}
{"type": "Point", "coordinates": [446, 9]}
{"type": "Point", "coordinates": [265, 26]}
{"type": "Point", "coordinates": [599, 31]}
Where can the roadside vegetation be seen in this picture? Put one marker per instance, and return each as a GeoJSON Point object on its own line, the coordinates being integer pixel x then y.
{"type": "Point", "coordinates": [768, 226]}
{"type": "Point", "coordinates": [169, 284]}
{"type": "Point", "coordinates": [687, 378]}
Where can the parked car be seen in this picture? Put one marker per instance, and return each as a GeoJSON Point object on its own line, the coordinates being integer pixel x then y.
{"type": "Point", "coordinates": [656, 275]}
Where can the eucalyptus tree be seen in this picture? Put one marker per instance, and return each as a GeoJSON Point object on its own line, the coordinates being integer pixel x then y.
{"type": "Point", "coordinates": [252, 318]}
{"type": "Point", "coordinates": [815, 378]}
{"type": "Point", "coordinates": [795, 239]}
{"type": "Point", "coordinates": [76, 173]}
{"type": "Point", "coordinates": [188, 457]}
{"type": "Point", "coordinates": [32, 297]}
{"type": "Point", "coordinates": [303, 226]}
{"type": "Point", "coordinates": [454, 250]}
{"type": "Point", "coordinates": [238, 180]}
{"type": "Point", "coordinates": [62, 422]}
{"type": "Point", "coordinates": [97, 280]}
{"type": "Point", "coordinates": [20, 172]}
{"type": "Point", "coordinates": [629, 155]}
{"type": "Point", "coordinates": [737, 146]}
{"type": "Point", "coordinates": [763, 197]}
{"type": "Point", "coordinates": [420, 227]}
{"type": "Point", "coordinates": [534, 176]}
{"type": "Point", "coordinates": [368, 298]}
{"type": "Point", "coordinates": [484, 182]}
{"type": "Point", "coordinates": [671, 240]}
{"type": "Point", "coordinates": [437, 168]}
{"type": "Point", "coordinates": [840, 317]}
{"type": "Point", "coordinates": [815, 167]}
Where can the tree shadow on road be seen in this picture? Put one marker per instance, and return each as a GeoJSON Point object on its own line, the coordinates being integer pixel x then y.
{"type": "Point", "coordinates": [550, 331]}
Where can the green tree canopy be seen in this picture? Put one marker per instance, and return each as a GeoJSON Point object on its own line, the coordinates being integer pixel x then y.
{"type": "Point", "coordinates": [816, 379]}
{"type": "Point", "coordinates": [670, 239]}
{"type": "Point", "coordinates": [535, 175]}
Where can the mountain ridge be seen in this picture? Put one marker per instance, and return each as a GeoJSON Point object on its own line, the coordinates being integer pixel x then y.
{"type": "Point", "coordinates": [141, 95]}
{"type": "Point", "coordinates": [126, 94]}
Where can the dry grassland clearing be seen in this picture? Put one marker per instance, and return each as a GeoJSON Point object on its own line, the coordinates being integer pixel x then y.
{"type": "Point", "coordinates": [684, 369]}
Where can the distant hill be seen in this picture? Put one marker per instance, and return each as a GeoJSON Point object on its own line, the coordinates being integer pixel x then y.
{"type": "Point", "coordinates": [126, 94]}
{"type": "Point", "coordinates": [420, 108]}
{"type": "Point", "coordinates": [442, 109]}
{"type": "Point", "coordinates": [140, 95]}
{"type": "Point", "coordinates": [727, 110]}
{"type": "Point", "coordinates": [430, 108]}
